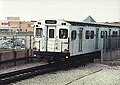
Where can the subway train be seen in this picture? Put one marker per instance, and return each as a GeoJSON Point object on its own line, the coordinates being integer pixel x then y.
{"type": "Point", "coordinates": [59, 40]}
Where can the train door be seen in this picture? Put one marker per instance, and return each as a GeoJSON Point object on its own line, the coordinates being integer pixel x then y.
{"type": "Point", "coordinates": [97, 38]}
{"type": "Point", "coordinates": [73, 43]}
{"type": "Point", "coordinates": [80, 39]}
{"type": "Point", "coordinates": [50, 41]}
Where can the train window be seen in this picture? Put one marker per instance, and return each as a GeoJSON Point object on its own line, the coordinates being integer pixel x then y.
{"type": "Point", "coordinates": [92, 35]}
{"type": "Point", "coordinates": [63, 33]}
{"type": "Point", "coordinates": [39, 32]}
{"type": "Point", "coordinates": [51, 33]}
{"type": "Point", "coordinates": [116, 33]}
{"type": "Point", "coordinates": [73, 35]}
{"type": "Point", "coordinates": [87, 34]}
{"type": "Point", "coordinates": [102, 34]}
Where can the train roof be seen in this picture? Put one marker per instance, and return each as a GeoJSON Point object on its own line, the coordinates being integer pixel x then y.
{"type": "Point", "coordinates": [75, 23]}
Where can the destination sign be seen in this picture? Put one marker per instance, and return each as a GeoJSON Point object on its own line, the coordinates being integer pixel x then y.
{"type": "Point", "coordinates": [50, 21]}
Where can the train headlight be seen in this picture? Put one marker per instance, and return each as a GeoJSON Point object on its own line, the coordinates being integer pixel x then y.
{"type": "Point", "coordinates": [34, 55]}
{"type": "Point", "coordinates": [67, 57]}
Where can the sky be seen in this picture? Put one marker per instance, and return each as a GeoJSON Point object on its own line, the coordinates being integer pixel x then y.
{"type": "Point", "coordinates": [75, 10]}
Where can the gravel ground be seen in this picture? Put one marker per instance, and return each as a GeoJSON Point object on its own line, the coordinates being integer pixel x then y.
{"type": "Point", "coordinates": [21, 67]}
{"type": "Point", "coordinates": [92, 74]}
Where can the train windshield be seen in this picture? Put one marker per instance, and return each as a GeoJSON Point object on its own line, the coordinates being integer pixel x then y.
{"type": "Point", "coordinates": [39, 32]}
{"type": "Point", "coordinates": [63, 33]}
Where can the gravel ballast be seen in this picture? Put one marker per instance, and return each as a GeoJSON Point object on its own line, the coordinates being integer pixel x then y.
{"type": "Point", "coordinates": [92, 74]}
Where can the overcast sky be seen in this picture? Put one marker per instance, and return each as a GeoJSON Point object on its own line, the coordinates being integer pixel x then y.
{"type": "Point", "coordinates": [77, 10]}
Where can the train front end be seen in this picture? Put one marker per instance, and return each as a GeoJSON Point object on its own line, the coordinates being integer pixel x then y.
{"type": "Point", "coordinates": [51, 40]}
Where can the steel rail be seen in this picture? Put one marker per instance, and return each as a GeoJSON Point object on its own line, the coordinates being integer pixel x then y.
{"type": "Point", "coordinates": [15, 76]}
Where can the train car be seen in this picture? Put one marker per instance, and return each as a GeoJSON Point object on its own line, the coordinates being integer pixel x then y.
{"type": "Point", "coordinates": [61, 40]}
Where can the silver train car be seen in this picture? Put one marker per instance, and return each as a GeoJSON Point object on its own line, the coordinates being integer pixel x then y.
{"type": "Point", "coordinates": [62, 40]}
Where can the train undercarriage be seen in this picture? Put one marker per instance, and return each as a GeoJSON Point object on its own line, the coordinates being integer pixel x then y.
{"type": "Point", "coordinates": [60, 57]}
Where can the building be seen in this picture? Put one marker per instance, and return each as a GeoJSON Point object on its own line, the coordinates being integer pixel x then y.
{"type": "Point", "coordinates": [22, 25]}
{"type": "Point", "coordinates": [14, 24]}
{"type": "Point", "coordinates": [113, 23]}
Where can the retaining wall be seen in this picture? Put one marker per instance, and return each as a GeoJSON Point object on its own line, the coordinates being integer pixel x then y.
{"type": "Point", "coordinates": [108, 55]}
{"type": "Point", "coordinates": [14, 58]}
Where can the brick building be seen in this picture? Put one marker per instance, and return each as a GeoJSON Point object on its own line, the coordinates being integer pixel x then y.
{"type": "Point", "coordinates": [15, 24]}
{"type": "Point", "coordinates": [22, 25]}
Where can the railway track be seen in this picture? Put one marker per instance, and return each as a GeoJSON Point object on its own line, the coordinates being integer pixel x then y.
{"type": "Point", "coordinates": [15, 76]}
{"type": "Point", "coordinates": [23, 74]}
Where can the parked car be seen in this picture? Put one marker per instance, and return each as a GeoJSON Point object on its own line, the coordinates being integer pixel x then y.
{"type": "Point", "coordinates": [17, 43]}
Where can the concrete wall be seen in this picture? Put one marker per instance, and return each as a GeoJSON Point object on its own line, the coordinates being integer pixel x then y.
{"type": "Point", "coordinates": [4, 56]}
{"type": "Point", "coordinates": [110, 54]}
